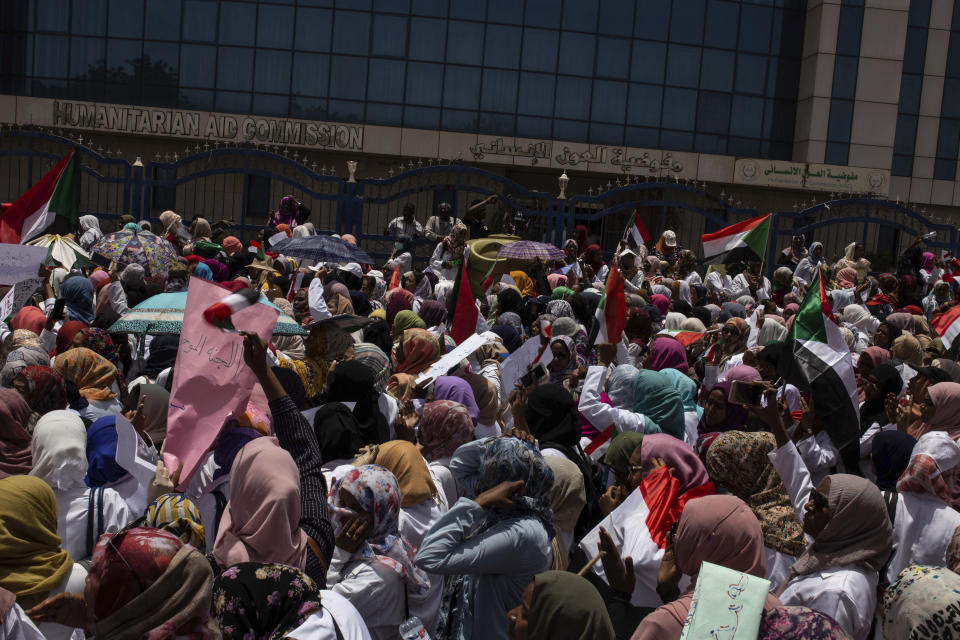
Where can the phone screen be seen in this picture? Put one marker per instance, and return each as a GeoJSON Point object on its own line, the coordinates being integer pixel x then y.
{"type": "Point", "coordinates": [742, 392]}
{"type": "Point", "coordinates": [100, 260]}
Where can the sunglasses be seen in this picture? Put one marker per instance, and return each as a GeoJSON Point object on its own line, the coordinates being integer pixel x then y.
{"type": "Point", "coordinates": [729, 331]}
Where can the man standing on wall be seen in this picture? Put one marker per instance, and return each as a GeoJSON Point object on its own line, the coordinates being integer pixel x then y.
{"type": "Point", "coordinates": [439, 226]}
{"type": "Point", "coordinates": [405, 225]}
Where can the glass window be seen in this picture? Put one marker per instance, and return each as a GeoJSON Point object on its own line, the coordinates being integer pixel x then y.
{"type": "Point", "coordinates": [689, 27]}
{"type": "Point", "coordinates": [710, 143]}
{"type": "Point", "coordinates": [232, 102]}
{"type": "Point", "coordinates": [126, 18]}
{"type": "Point", "coordinates": [616, 17]}
{"type": "Point", "coordinates": [497, 124]}
{"type": "Point", "coordinates": [437, 8]}
{"type": "Point", "coordinates": [755, 28]}
{"type": "Point", "coordinates": [421, 117]}
{"type": "Point", "coordinates": [272, 72]}
{"type": "Point", "coordinates": [783, 78]}
{"type": "Point", "coordinates": [609, 101]}
{"type": "Point", "coordinates": [953, 54]}
{"type": "Point", "coordinates": [676, 140]}
{"type": "Point", "coordinates": [348, 77]}
{"type": "Point", "coordinates": [683, 66]}
{"type": "Point", "coordinates": [722, 20]}
{"type": "Point", "coordinates": [836, 153]}
{"type": "Point", "coordinates": [746, 116]}
{"type": "Point", "coordinates": [201, 100]}
{"type": "Point", "coordinates": [234, 69]}
{"type": "Point", "coordinates": [841, 118]}
{"type": "Point", "coordinates": [902, 165]}
{"type": "Point", "coordinates": [570, 130]}
{"type": "Point", "coordinates": [274, 27]}
{"type": "Point", "coordinates": [576, 53]}
{"type": "Point", "coordinates": [53, 15]}
{"type": "Point", "coordinates": [653, 22]}
{"type": "Point", "coordinates": [423, 83]}
{"type": "Point", "coordinates": [196, 65]}
{"type": "Point", "coordinates": [743, 147]}
{"type": "Point", "coordinates": [951, 98]}
{"type": "Point", "coordinates": [540, 13]}
{"type": "Point", "coordinates": [717, 67]}
{"type": "Point", "coordinates": [919, 13]}
{"type": "Point", "coordinates": [751, 73]}
{"type": "Point", "coordinates": [530, 127]}
{"type": "Point", "coordinates": [613, 57]}
{"type": "Point", "coordinates": [386, 114]}
{"type": "Point", "coordinates": [310, 73]}
{"type": "Point", "coordinates": [536, 94]}
{"type": "Point", "coordinates": [503, 46]}
{"type": "Point", "coordinates": [346, 111]}
{"type": "Point", "coordinates": [351, 32]}
{"type": "Point", "coordinates": [49, 55]}
{"type": "Point", "coordinates": [313, 29]}
{"type": "Point", "coordinates": [844, 77]}
{"type": "Point", "coordinates": [237, 20]}
{"type": "Point", "coordinates": [385, 83]}
{"type": "Point", "coordinates": [499, 91]}
{"type": "Point", "coordinates": [468, 10]}
{"type": "Point", "coordinates": [606, 133]}
{"type": "Point", "coordinates": [578, 15]}
{"type": "Point", "coordinates": [948, 139]}
{"type": "Point", "coordinates": [428, 38]}
{"type": "Point", "coordinates": [461, 88]}
{"type": "Point", "coordinates": [199, 18]}
{"type": "Point", "coordinates": [89, 17]}
{"type": "Point", "coordinates": [86, 55]}
{"type": "Point", "coordinates": [944, 169]}
{"type": "Point", "coordinates": [161, 61]}
{"type": "Point", "coordinates": [270, 105]}
{"type": "Point", "coordinates": [457, 120]}
{"type": "Point", "coordinates": [778, 120]}
{"type": "Point", "coordinates": [910, 85]}
{"type": "Point", "coordinates": [906, 134]}
{"type": "Point", "coordinates": [915, 50]}
{"type": "Point", "coordinates": [848, 30]}
{"type": "Point", "coordinates": [389, 35]}
{"type": "Point", "coordinates": [466, 42]}
{"type": "Point", "coordinates": [644, 105]}
{"type": "Point", "coordinates": [539, 50]}
{"type": "Point", "coordinates": [713, 112]}
{"type": "Point", "coordinates": [124, 54]}
{"type": "Point", "coordinates": [679, 108]}
{"type": "Point", "coordinates": [309, 108]}
{"type": "Point", "coordinates": [643, 137]}
{"type": "Point", "coordinates": [508, 11]}
{"type": "Point", "coordinates": [649, 60]}
{"type": "Point", "coordinates": [163, 20]}
{"type": "Point", "coordinates": [573, 98]}
{"type": "Point", "coordinates": [787, 36]}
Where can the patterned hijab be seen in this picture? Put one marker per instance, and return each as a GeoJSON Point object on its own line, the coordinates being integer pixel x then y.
{"type": "Point", "coordinates": [93, 374]}
{"type": "Point", "coordinates": [922, 603]}
{"type": "Point", "coordinates": [444, 426]}
{"type": "Point", "coordinates": [374, 359]}
{"type": "Point", "coordinates": [176, 514]}
{"type": "Point", "coordinates": [418, 349]}
{"type": "Point", "coordinates": [378, 492]}
{"type": "Point", "coordinates": [799, 623]}
{"type": "Point", "coordinates": [738, 461]}
{"type": "Point", "coordinates": [512, 459]}
{"type": "Point", "coordinates": [934, 468]}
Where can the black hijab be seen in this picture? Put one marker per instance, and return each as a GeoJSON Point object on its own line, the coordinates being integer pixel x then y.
{"type": "Point", "coordinates": [338, 432]}
{"type": "Point", "coordinates": [890, 382]}
{"type": "Point", "coordinates": [551, 415]}
{"type": "Point", "coordinates": [163, 353]}
{"type": "Point", "coordinates": [293, 385]}
{"type": "Point", "coordinates": [891, 455]}
{"type": "Point", "coordinates": [379, 334]}
{"type": "Point", "coordinates": [353, 381]}
{"type": "Point", "coordinates": [510, 300]}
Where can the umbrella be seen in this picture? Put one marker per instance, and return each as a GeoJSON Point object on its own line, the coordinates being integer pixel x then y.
{"type": "Point", "coordinates": [129, 246]}
{"type": "Point", "coordinates": [529, 250]}
{"type": "Point", "coordinates": [163, 314]}
{"type": "Point", "coordinates": [322, 249]}
{"type": "Point", "coordinates": [62, 250]}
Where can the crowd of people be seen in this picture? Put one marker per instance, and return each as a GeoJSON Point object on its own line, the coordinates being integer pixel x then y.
{"type": "Point", "coordinates": [352, 500]}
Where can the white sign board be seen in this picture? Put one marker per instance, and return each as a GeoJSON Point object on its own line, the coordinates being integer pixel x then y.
{"type": "Point", "coordinates": [20, 261]}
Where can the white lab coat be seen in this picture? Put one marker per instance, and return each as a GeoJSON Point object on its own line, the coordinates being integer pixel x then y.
{"type": "Point", "coordinates": [319, 626]}
{"type": "Point", "coordinates": [72, 508]}
{"type": "Point", "coordinates": [602, 415]}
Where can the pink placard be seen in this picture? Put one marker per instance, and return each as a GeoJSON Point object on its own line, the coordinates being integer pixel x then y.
{"type": "Point", "coordinates": [210, 380]}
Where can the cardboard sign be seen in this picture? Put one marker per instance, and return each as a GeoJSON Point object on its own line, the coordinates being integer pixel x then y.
{"type": "Point", "coordinates": [452, 359]}
{"type": "Point", "coordinates": [518, 364]}
{"type": "Point", "coordinates": [726, 604]}
{"type": "Point", "coordinates": [19, 262]}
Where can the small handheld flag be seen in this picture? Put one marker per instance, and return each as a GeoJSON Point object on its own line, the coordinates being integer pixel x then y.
{"type": "Point", "coordinates": [636, 233]}
{"type": "Point", "coordinates": [220, 314]}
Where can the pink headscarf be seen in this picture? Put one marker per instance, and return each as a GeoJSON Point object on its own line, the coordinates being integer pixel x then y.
{"type": "Point", "coordinates": [661, 302]}
{"type": "Point", "coordinates": [557, 280]}
{"type": "Point", "coordinates": [878, 355]}
{"type": "Point", "coordinates": [926, 260]}
{"type": "Point", "coordinates": [934, 468]}
{"type": "Point", "coordinates": [99, 278]}
{"type": "Point", "coordinates": [349, 239]}
{"type": "Point", "coordinates": [15, 453]}
{"type": "Point", "coordinates": [743, 373]}
{"type": "Point", "coordinates": [668, 353]}
{"type": "Point", "coordinates": [684, 464]}
{"type": "Point", "coordinates": [30, 318]}
{"type": "Point", "coordinates": [261, 522]}
{"type": "Point", "coordinates": [946, 415]}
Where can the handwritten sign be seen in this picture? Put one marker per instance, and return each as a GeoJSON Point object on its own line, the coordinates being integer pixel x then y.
{"type": "Point", "coordinates": [6, 305]}
{"type": "Point", "coordinates": [452, 359]}
{"type": "Point", "coordinates": [17, 296]}
{"type": "Point", "coordinates": [517, 365]}
{"type": "Point", "coordinates": [211, 383]}
{"type": "Point", "coordinates": [726, 604]}
{"type": "Point", "coordinates": [19, 262]}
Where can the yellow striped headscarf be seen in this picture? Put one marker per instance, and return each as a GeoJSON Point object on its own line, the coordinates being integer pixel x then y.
{"type": "Point", "coordinates": [174, 513]}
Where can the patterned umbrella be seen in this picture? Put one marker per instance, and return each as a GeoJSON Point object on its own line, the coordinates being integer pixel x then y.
{"type": "Point", "coordinates": [163, 314]}
{"type": "Point", "coordinates": [62, 250]}
{"type": "Point", "coordinates": [322, 249]}
{"type": "Point", "coordinates": [129, 246]}
{"type": "Point", "coordinates": [529, 250]}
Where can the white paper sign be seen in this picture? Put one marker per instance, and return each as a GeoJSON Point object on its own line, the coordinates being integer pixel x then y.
{"type": "Point", "coordinates": [6, 305]}
{"type": "Point", "coordinates": [452, 359]}
{"type": "Point", "coordinates": [277, 237]}
{"type": "Point", "coordinates": [20, 261]}
{"type": "Point", "coordinates": [127, 456]}
{"type": "Point", "coordinates": [517, 365]}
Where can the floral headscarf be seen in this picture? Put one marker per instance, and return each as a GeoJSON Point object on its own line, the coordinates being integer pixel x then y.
{"type": "Point", "coordinates": [378, 492]}
{"type": "Point", "coordinates": [511, 459]}
{"type": "Point", "coordinates": [922, 603]}
{"type": "Point", "coordinates": [444, 426]}
{"type": "Point", "coordinates": [557, 377]}
{"type": "Point", "coordinates": [934, 468]}
{"type": "Point", "coordinates": [42, 388]}
{"type": "Point", "coordinates": [790, 623]}
{"type": "Point", "coordinates": [176, 514]}
{"type": "Point", "coordinates": [560, 309]}
{"type": "Point", "coordinates": [418, 349]}
{"type": "Point", "coordinates": [456, 242]}
{"type": "Point", "coordinates": [257, 601]}
{"type": "Point", "coordinates": [93, 374]}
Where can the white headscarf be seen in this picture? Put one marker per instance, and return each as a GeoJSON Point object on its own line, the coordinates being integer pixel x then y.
{"type": "Point", "coordinates": [674, 321]}
{"type": "Point", "coordinates": [60, 450]}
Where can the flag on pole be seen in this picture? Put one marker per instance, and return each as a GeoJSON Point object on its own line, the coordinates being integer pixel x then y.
{"type": "Point", "coordinates": [946, 325]}
{"type": "Point", "coordinates": [394, 279]}
{"type": "Point", "coordinates": [56, 194]}
{"type": "Point", "coordinates": [220, 314]}
{"type": "Point", "coordinates": [636, 233]}
{"type": "Point", "coordinates": [462, 308]}
{"type": "Point", "coordinates": [489, 280]}
{"type": "Point", "coordinates": [739, 242]}
{"type": "Point", "coordinates": [818, 362]}
{"type": "Point", "coordinates": [612, 310]}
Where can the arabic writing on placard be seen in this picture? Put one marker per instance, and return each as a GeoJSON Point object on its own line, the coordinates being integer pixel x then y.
{"type": "Point", "coordinates": [20, 261]}
{"type": "Point", "coordinates": [225, 357]}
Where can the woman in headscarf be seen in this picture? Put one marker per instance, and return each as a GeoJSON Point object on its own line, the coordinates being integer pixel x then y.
{"type": "Point", "coordinates": [444, 426]}
{"type": "Point", "coordinates": [853, 257]}
{"type": "Point", "coordinates": [907, 349]}
{"type": "Point", "coordinates": [244, 605]}
{"type": "Point", "coordinates": [728, 352]}
{"type": "Point", "coordinates": [738, 461]}
{"type": "Point", "coordinates": [449, 252]}
{"type": "Point", "coordinates": [458, 390]}
{"type": "Point", "coordinates": [890, 457]}
{"type": "Point", "coordinates": [91, 232]}
{"type": "Point", "coordinates": [511, 339]}
{"type": "Point", "coordinates": [30, 318]}
{"type": "Point", "coordinates": [771, 331]}
{"type": "Point", "coordinates": [406, 320]}
{"type": "Point", "coordinates": [148, 404]}
{"type": "Point", "coordinates": [923, 602]}
{"type": "Point", "coordinates": [860, 318]}
{"type": "Point", "coordinates": [717, 529]}
{"type": "Point", "coordinates": [719, 413]}
{"type": "Point", "coordinates": [524, 285]}
{"type": "Point", "coordinates": [925, 513]}
{"type": "Point", "coordinates": [804, 270]}
{"type": "Point", "coordinates": [27, 354]}
{"type": "Point", "coordinates": [42, 388]}
{"type": "Point", "coordinates": [565, 360]}
{"type": "Point", "coordinates": [78, 294]}
{"type": "Point", "coordinates": [799, 623]}
{"type": "Point", "coordinates": [33, 566]}
{"type": "Point", "coordinates": [134, 284]}
{"type": "Point", "coordinates": [666, 353]}
{"type": "Point", "coordinates": [143, 583]}
{"type": "Point", "coordinates": [176, 514]}
{"type": "Point", "coordinates": [619, 385]}
{"type": "Point", "coordinates": [373, 565]}
{"type": "Point", "coordinates": [418, 349]}
{"type": "Point", "coordinates": [567, 501]}
{"type": "Point", "coordinates": [94, 376]}
{"type": "Point", "coordinates": [879, 385]}
{"type": "Point", "coordinates": [354, 381]}
{"type": "Point", "coordinates": [692, 412]}
{"type": "Point", "coordinates": [496, 541]}
{"type": "Point", "coordinates": [60, 459]}
{"type": "Point", "coordinates": [939, 409]}
{"type": "Point", "coordinates": [558, 605]}
{"type": "Point", "coordinates": [15, 457]}
{"type": "Point", "coordinates": [398, 300]}
{"type": "Point", "coordinates": [162, 356]}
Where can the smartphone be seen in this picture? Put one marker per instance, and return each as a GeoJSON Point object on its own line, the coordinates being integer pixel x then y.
{"type": "Point", "coordinates": [100, 260]}
{"type": "Point", "coordinates": [748, 393]}
{"type": "Point", "coordinates": [58, 308]}
{"type": "Point", "coordinates": [532, 376]}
